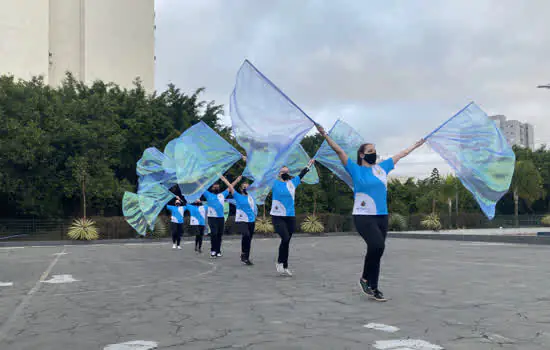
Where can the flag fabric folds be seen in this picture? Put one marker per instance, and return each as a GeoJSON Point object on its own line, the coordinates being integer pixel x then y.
{"type": "Point", "coordinates": [201, 157]}
{"type": "Point", "coordinates": [349, 140]}
{"type": "Point", "coordinates": [298, 160]}
{"type": "Point", "coordinates": [267, 124]}
{"type": "Point", "coordinates": [153, 168]}
{"type": "Point", "coordinates": [141, 210]}
{"type": "Point", "coordinates": [476, 149]}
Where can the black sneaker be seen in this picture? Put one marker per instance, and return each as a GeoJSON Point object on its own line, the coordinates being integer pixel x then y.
{"type": "Point", "coordinates": [378, 295]}
{"type": "Point", "coordinates": [247, 262]}
{"type": "Point", "coordinates": [365, 287]}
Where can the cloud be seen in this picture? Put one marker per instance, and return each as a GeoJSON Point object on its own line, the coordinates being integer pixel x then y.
{"type": "Point", "coordinates": [393, 69]}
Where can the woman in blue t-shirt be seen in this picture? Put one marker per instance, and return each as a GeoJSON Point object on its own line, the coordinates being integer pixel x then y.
{"type": "Point", "coordinates": [283, 214]}
{"type": "Point", "coordinates": [370, 209]}
{"type": "Point", "coordinates": [245, 216]}
{"type": "Point", "coordinates": [197, 221]}
{"type": "Point", "coordinates": [176, 222]}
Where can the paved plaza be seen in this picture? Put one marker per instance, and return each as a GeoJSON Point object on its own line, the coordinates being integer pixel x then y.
{"type": "Point", "coordinates": [445, 295]}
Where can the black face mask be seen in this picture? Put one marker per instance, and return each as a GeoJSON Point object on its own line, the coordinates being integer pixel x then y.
{"type": "Point", "coordinates": [215, 190]}
{"type": "Point", "coordinates": [244, 191]}
{"type": "Point", "coordinates": [285, 177]}
{"type": "Point", "coordinates": [370, 158]}
{"type": "Point", "coordinates": [197, 204]}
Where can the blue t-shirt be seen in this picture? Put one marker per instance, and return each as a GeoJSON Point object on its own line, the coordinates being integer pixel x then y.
{"type": "Point", "coordinates": [177, 213]}
{"type": "Point", "coordinates": [370, 187]}
{"type": "Point", "coordinates": [197, 214]}
{"type": "Point", "coordinates": [246, 208]}
{"type": "Point", "coordinates": [215, 203]}
{"type": "Point", "coordinates": [283, 197]}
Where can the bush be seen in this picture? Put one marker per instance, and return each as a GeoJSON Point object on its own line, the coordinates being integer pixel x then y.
{"type": "Point", "coordinates": [264, 225]}
{"type": "Point", "coordinates": [545, 220]}
{"type": "Point", "coordinates": [161, 229]}
{"type": "Point", "coordinates": [397, 222]}
{"type": "Point", "coordinates": [312, 224]}
{"type": "Point", "coordinates": [431, 222]}
{"type": "Point", "coordinates": [83, 229]}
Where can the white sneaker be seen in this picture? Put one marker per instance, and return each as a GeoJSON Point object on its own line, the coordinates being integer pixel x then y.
{"type": "Point", "coordinates": [219, 255]}
{"type": "Point", "coordinates": [174, 246]}
{"type": "Point", "coordinates": [179, 247]}
{"type": "Point", "coordinates": [287, 272]}
{"type": "Point", "coordinates": [280, 268]}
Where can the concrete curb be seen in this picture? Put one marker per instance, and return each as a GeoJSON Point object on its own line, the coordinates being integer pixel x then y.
{"type": "Point", "coordinates": [531, 238]}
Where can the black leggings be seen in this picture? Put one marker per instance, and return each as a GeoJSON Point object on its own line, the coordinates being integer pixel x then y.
{"type": "Point", "coordinates": [246, 229]}
{"type": "Point", "coordinates": [177, 230]}
{"type": "Point", "coordinates": [199, 232]}
{"type": "Point", "coordinates": [216, 233]}
{"type": "Point", "coordinates": [284, 226]}
{"type": "Point", "coordinates": [373, 229]}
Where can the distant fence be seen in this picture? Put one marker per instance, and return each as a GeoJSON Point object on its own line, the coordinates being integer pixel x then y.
{"type": "Point", "coordinates": [118, 228]}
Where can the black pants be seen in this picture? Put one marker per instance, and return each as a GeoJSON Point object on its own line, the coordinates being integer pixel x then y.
{"type": "Point", "coordinates": [373, 229]}
{"type": "Point", "coordinates": [246, 229]}
{"type": "Point", "coordinates": [177, 230]}
{"type": "Point", "coordinates": [198, 230]}
{"type": "Point", "coordinates": [216, 233]}
{"type": "Point", "coordinates": [284, 226]}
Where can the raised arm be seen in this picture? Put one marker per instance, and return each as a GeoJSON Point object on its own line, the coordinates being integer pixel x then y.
{"type": "Point", "coordinates": [407, 151]}
{"type": "Point", "coordinates": [339, 151]}
{"type": "Point", "coordinates": [306, 169]}
{"type": "Point", "coordinates": [231, 186]}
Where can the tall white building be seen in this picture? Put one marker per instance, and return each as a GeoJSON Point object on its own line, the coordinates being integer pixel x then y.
{"type": "Point", "coordinates": [109, 40]}
{"type": "Point", "coordinates": [516, 133]}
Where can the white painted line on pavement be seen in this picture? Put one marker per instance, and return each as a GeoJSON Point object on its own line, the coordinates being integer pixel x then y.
{"type": "Point", "coordinates": [59, 254]}
{"type": "Point", "coordinates": [133, 345]}
{"type": "Point", "coordinates": [10, 248]}
{"type": "Point", "coordinates": [465, 262]}
{"type": "Point", "coordinates": [381, 327]}
{"type": "Point", "coordinates": [4, 329]}
{"type": "Point", "coordinates": [405, 344]}
{"type": "Point", "coordinates": [56, 279]}
{"type": "Point", "coordinates": [6, 284]}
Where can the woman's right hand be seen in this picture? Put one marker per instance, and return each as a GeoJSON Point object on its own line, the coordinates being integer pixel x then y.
{"type": "Point", "coordinates": [321, 130]}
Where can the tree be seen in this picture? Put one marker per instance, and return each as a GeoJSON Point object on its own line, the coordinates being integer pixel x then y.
{"type": "Point", "coordinates": [435, 183]}
{"type": "Point", "coordinates": [448, 189]}
{"type": "Point", "coordinates": [526, 185]}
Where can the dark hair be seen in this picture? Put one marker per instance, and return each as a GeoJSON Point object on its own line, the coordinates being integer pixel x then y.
{"type": "Point", "coordinates": [360, 150]}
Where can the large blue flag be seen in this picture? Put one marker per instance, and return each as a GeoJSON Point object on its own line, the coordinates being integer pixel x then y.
{"type": "Point", "coordinates": [267, 124]}
{"type": "Point", "coordinates": [201, 157]}
{"type": "Point", "coordinates": [349, 140]}
{"type": "Point", "coordinates": [141, 210]}
{"type": "Point", "coordinates": [154, 168]}
{"type": "Point", "coordinates": [475, 148]}
{"type": "Point", "coordinates": [297, 161]}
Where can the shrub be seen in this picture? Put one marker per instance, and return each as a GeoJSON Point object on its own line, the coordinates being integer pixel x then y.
{"type": "Point", "coordinates": [161, 229]}
{"type": "Point", "coordinates": [545, 220]}
{"type": "Point", "coordinates": [263, 225]}
{"type": "Point", "coordinates": [397, 222]}
{"type": "Point", "coordinates": [312, 224]}
{"type": "Point", "coordinates": [431, 222]}
{"type": "Point", "coordinates": [83, 229]}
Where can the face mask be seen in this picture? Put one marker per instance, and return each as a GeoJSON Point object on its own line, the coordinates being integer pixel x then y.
{"type": "Point", "coordinates": [370, 158]}
{"type": "Point", "coordinates": [216, 190]}
{"type": "Point", "coordinates": [244, 191]}
{"type": "Point", "coordinates": [285, 177]}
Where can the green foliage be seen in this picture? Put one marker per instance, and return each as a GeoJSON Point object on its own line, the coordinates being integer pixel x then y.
{"type": "Point", "coordinates": [312, 224]}
{"type": "Point", "coordinates": [161, 229]}
{"type": "Point", "coordinates": [431, 222]}
{"type": "Point", "coordinates": [546, 220]}
{"type": "Point", "coordinates": [397, 222]}
{"type": "Point", "coordinates": [264, 225]}
{"type": "Point", "coordinates": [83, 229]}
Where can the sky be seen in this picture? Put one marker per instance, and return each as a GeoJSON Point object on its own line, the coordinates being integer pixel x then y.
{"type": "Point", "coordinates": [393, 70]}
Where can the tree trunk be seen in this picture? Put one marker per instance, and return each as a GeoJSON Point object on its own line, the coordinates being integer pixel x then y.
{"type": "Point", "coordinates": [264, 210]}
{"type": "Point", "coordinates": [314, 204]}
{"type": "Point", "coordinates": [84, 198]}
{"type": "Point", "coordinates": [516, 206]}
{"type": "Point", "coordinates": [433, 206]}
{"type": "Point", "coordinates": [450, 202]}
{"type": "Point", "coordinates": [456, 205]}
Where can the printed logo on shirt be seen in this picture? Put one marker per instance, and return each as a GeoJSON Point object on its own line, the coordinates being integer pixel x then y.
{"type": "Point", "coordinates": [364, 205]}
{"type": "Point", "coordinates": [380, 174]}
{"type": "Point", "coordinates": [278, 209]}
{"type": "Point", "coordinates": [212, 211]}
{"type": "Point", "coordinates": [241, 216]}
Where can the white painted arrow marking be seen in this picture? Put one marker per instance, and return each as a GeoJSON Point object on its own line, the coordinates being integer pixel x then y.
{"type": "Point", "coordinates": [61, 279]}
{"type": "Point", "coordinates": [382, 327]}
{"type": "Point", "coordinates": [133, 345]}
{"type": "Point", "coordinates": [406, 344]}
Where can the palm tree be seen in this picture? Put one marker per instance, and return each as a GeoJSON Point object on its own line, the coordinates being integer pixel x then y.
{"type": "Point", "coordinates": [448, 190]}
{"type": "Point", "coordinates": [526, 185]}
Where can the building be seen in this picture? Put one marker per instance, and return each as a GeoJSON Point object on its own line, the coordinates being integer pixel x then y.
{"type": "Point", "coordinates": [516, 133]}
{"type": "Point", "coordinates": [109, 40]}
